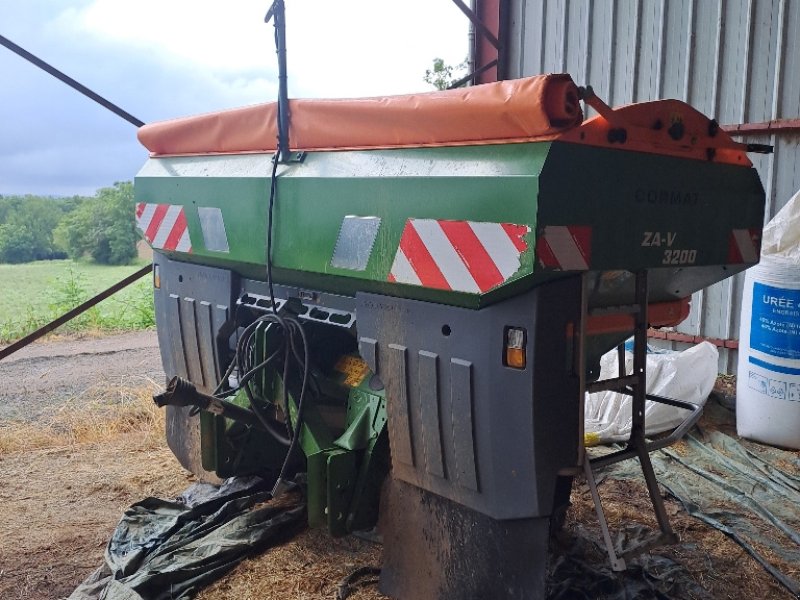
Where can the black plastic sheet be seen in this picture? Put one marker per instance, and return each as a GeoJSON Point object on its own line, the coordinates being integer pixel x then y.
{"type": "Point", "coordinates": [164, 550]}
{"type": "Point", "coordinates": [580, 570]}
{"type": "Point", "coordinates": [169, 550]}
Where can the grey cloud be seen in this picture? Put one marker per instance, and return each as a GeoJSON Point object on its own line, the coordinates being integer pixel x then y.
{"type": "Point", "coordinates": [55, 141]}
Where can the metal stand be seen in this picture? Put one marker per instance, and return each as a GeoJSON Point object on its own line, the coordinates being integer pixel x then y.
{"type": "Point", "coordinates": [635, 385]}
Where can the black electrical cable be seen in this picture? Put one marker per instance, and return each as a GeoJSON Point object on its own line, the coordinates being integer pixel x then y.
{"type": "Point", "coordinates": [355, 580]}
{"type": "Point", "coordinates": [256, 369]}
{"type": "Point", "coordinates": [248, 360]}
{"type": "Point", "coordinates": [300, 403]}
{"type": "Point", "coordinates": [291, 328]}
{"type": "Point", "coordinates": [243, 347]}
{"type": "Point", "coordinates": [222, 385]}
{"type": "Point", "coordinates": [244, 360]}
{"type": "Point", "coordinates": [273, 189]}
{"type": "Point", "coordinates": [246, 374]}
{"type": "Point", "coordinates": [245, 350]}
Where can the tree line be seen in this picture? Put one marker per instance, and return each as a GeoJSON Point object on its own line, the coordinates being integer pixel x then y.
{"type": "Point", "coordinates": [101, 227]}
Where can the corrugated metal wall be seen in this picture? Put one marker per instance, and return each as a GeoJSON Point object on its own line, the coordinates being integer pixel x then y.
{"type": "Point", "coordinates": [736, 60]}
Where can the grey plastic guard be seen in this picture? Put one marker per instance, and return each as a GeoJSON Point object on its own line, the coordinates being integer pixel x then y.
{"type": "Point", "coordinates": [354, 245]}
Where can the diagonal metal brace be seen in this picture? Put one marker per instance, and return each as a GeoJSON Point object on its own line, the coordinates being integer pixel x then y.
{"type": "Point", "coordinates": [479, 25]}
{"type": "Point", "coordinates": [617, 563]}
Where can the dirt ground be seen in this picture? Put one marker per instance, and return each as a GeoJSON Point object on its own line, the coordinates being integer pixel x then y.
{"type": "Point", "coordinates": [79, 443]}
{"type": "Point", "coordinates": [47, 375]}
{"type": "Point", "coordinates": [59, 506]}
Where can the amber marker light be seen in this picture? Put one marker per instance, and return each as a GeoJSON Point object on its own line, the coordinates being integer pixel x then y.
{"type": "Point", "coordinates": [515, 347]}
{"type": "Point", "coordinates": [156, 276]}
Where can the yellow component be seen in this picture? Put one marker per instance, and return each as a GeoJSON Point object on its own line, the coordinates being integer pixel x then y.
{"type": "Point", "coordinates": [590, 439]}
{"type": "Point", "coordinates": [156, 277]}
{"type": "Point", "coordinates": [515, 357]}
{"type": "Point", "coordinates": [515, 347]}
{"type": "Point", "coordinates": [354, 368]}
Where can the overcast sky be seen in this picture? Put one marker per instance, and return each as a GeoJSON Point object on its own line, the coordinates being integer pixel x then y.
{"type": "Point", "coordinates": [160, 59]}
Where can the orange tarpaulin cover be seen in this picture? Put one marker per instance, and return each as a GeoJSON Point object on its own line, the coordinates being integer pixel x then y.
{"type": "Point", "coordinates": [506, 111]}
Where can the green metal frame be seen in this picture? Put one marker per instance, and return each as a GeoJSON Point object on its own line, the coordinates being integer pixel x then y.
{"type": "Point", "coordinates": [345, 469]}
{"type": "Point", "coordinates": [536, 184]}
{"type": "Point", "coordinates": [470, 183]}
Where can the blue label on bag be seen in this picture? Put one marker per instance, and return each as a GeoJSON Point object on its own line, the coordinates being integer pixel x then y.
{"type": "Point", "coordinates": [775, 322]}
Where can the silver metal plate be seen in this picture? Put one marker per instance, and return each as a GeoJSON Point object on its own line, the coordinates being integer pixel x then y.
{"type": "Point", "coordinates": [214, 236]}
{"type": "Point", "coordinates": [354, 245]}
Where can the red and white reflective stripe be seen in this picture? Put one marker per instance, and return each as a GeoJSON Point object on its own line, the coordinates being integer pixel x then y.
{"type": "Point", "coordinates": [565, 248]}
{"type": "Point", "coordinates": [164, 226]}
{"type": "Point", "coordinates": [743, 246]}
{"type": "Point", "coordinates": [463, 256]}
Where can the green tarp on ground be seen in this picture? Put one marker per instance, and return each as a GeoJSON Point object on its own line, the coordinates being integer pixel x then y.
{"type": "Point", "coordinates": [748, 491]}
{"type": "Point", "coordinates": [581, 571]}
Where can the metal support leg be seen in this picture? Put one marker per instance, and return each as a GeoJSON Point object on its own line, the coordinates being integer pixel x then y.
{"type": "Point", "coordinates": [635, 385]}
{"type": "Point", "coordinates": [637, 440]}
{"type": "Point", "coordinates": [617, 563]}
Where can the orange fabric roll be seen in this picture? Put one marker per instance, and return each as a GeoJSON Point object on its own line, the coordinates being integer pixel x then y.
{"type": "Point", "coordinates": [507, 111]}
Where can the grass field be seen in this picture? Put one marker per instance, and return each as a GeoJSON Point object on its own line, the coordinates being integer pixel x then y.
{"type": "Point", "coordinates": [32, 294]}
